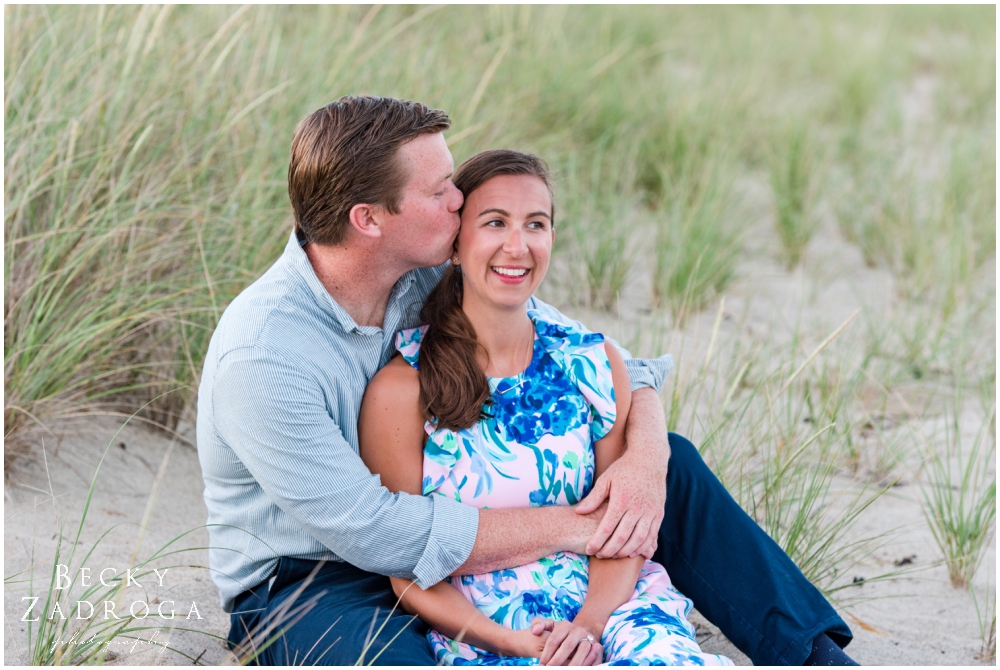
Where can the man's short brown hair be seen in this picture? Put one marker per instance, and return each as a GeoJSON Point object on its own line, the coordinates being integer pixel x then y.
{"type": "Point", "coordinates": [345, 154]}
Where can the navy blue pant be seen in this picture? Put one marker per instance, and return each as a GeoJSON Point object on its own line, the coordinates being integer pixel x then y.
{"type": "Point", "coordinates": [323, 613]}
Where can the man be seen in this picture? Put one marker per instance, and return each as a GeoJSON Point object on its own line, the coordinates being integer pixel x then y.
{"type": "Point", "coordinates": [303, 535]}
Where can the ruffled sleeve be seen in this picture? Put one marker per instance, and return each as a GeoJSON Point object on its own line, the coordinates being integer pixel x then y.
{"type": "Point", "coordinates": [583, 358]}
{"type": "Point", "coordinates": [408, 344]}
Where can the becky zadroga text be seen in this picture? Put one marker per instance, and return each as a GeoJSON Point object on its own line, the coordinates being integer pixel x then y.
{"type": "Point", "coordinates": [139, 609]}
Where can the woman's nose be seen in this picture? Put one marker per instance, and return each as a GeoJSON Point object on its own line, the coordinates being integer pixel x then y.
{"type": "Point", "coordinates": [514, 244]}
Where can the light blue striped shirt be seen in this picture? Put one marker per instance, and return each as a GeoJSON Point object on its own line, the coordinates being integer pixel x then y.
{"type": "Point", "coordinates": [278, 411]}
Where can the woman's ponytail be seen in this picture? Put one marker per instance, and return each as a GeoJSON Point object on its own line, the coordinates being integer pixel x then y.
{"type": "Point", "coordinates": [453, 386]}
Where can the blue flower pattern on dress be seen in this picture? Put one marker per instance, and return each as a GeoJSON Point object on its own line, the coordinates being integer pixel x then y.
{"type": "Point", "coordinates": [536, 449]}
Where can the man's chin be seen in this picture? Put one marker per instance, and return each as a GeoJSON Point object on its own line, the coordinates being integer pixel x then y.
{"type": "Point", "coordinates": [440, 260]}
{"type": "Point", "coordinates": [431, 262]}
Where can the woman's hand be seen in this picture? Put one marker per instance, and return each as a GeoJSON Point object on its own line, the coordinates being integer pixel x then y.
{"type": "Point", "coordinates": [558, 643]}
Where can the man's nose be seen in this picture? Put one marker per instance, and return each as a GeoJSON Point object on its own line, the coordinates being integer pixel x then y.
{"type": "Point", "coordinates": [456, 200]}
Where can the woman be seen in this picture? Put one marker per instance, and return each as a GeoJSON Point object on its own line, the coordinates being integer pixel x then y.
{"type": "Point", "coordinates": [499, 406]}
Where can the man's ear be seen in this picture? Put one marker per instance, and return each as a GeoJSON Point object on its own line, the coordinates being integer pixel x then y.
{"type": "Point", "coordinates": [366, 219]}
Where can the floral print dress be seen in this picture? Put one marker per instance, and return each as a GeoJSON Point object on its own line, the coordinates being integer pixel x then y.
{"type": "Point", "coordinates": [537, 449]}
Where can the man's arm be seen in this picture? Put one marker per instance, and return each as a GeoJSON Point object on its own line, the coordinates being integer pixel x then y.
{"type": "Point", "coordinates": [273, 414]}
{"type": "Point", "coordinates": [635, 484]}
{"type": "Point", "coordinates": [509, 537]}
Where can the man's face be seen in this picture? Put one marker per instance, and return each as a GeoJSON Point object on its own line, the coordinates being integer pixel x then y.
{"type": "Point", "coordinates": [424, 230]}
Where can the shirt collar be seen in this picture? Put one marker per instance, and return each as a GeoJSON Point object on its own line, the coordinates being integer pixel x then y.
{"type": "Point", "coordinates": [295, 256]}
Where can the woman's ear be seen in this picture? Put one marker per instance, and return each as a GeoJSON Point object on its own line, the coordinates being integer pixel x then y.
{"type": "Point", "coordinates": [365, 219]}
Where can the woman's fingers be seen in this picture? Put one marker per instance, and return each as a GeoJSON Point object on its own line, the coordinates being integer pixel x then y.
{"type": "Point", "coordinates": [595, 656]}
{"type": "Point", "coordinates": [568, 647]}
{"type": "Point", "coordinates": [553, 643]}
{"type": "Point", "coordinates": [582, 653]}
{"type": "Point", "coordinates": [539, 625]}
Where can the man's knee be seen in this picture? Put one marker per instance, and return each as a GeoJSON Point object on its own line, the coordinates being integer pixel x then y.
{"type": "Point", "coordinates": [685, 461]}
{"type": "Point", "coordinates": [681, 449]}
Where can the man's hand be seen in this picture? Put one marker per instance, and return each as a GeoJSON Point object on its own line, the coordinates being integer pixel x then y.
{"type": "Point", "coordinates": [635, 485]}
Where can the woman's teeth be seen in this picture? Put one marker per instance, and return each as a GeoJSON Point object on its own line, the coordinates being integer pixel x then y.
{"type": "Point", "coordinates": [511, 272]}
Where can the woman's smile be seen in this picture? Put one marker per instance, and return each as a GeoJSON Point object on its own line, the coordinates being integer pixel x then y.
{"type": "Point", "coordinates": [511, 274]}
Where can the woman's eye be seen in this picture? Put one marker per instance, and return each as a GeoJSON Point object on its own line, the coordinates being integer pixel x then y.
{"type": "Point", "coordinates": [538, 225]}
{"type": "Point", "coordinates": [495, 223]}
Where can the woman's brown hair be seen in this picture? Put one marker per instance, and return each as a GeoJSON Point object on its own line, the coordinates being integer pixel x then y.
{"type": "Point", "coordinates": [453, 388]}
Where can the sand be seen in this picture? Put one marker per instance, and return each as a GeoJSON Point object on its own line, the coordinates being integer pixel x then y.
{"type": "Point", "coordinates": [919, 619]}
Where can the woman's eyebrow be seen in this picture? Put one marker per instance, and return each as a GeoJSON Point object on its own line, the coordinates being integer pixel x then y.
{"type": "Point", "coordinates": [494, 210]}
{"type": "Point", "coordinates": [501, 212]}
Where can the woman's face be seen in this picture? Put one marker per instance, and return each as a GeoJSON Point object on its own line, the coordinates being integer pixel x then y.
{"type": "Point", "coordinates": [506, 239]}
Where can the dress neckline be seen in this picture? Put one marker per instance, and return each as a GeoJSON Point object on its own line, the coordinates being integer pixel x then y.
{"type": "Point", "coordinates": [514, 380]}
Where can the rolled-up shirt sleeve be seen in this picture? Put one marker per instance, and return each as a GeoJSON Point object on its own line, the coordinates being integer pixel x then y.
{"type": "Point", "coordinates": [275, 417]}
{"type": "Point", "coordinates": [642, 372]}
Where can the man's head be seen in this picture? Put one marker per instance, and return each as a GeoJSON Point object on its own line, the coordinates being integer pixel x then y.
{"type": "Point", "coordinates": [372, 152]}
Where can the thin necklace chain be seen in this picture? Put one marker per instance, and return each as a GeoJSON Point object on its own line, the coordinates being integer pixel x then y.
{"type": "Point", "coordinates": [520, 376]}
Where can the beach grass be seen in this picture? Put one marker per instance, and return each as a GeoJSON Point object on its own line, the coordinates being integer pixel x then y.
{"type": "Point", "coordinates": [145, 165]}
{"type": "Point", "coordinates": [595, 227]}
{"type": "Point", "coordinates": [776, 432]}
{"type": "Point", "coordinates": [960, 500]}
{"type": "Point", "coordinates": [987, 619]}
{"type": "Point", "coordinates": [696, 244]}
{"type": "Point", "coordinates": [794, 168]}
